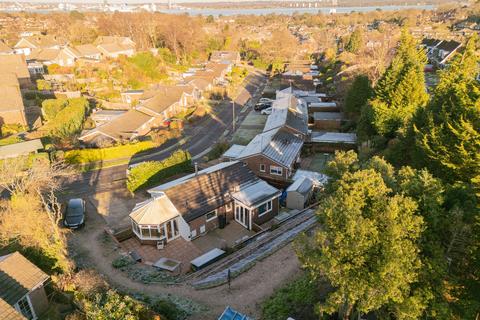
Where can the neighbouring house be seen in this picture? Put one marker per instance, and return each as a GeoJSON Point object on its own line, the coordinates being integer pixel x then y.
{"type": "Point", "coordinates": [63, 57]}
{"type": "Point", "coordinates": [22, 287]}
{"type": "Point", "coordinates": [163, 102]}
{"type": "Point", "coordinates": [12, 109]}
{"type": "Point", "coordinates": [4, 49]}
{"type": "Point", "coordinates": [87, 52]}
{"type": "Point", "coordinates": [26, 45]}
{"type": "Point", "coordinates": [113, 46]}
{"type": "Point", "coordinates": [197, 203]}
{"type": "Point", "coordinates": [24, 148]}
{"type": "Point", "coordinates": [328, 120]}
{"type": "Point", "coordinates": [35, 68]}
{"type": "Point", "coordinates": [103, 116]}
{"type": "Point", "coordinates": [289, 114]}
{"type": "Point", "coordinates": [322, 141]}
{"type": "Point", "coordinates": [444, 51]}
{"type": "Point", "coordinates": [127, 126]}
{"type": "Point", "coordinates": [213, 73]}
{"type": "Point", "coordinates": [130, 96]}
{"type": "Point", "coordinates": [440, 51]}
{"type": "Point", "coordinates": [17, 65]}
{"type": "Point", "coordinates": [225, 57]}
{"type": "Point", "coordinates": [201, 84]}
{"type": "Point", "coordinates": [271, 155]}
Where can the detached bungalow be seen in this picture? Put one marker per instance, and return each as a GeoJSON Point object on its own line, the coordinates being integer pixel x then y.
{"type": "Point", "coordinates": [63, 57]}
{"type": "Point", "coordinates": [22, 293]}
{"type": "Point", "coordinates": [195, 204]}
{"type": "Point", "coordinates": [113, 47]}
{"type": "Point", "coordinates": [164, 102]}
{"type": "Point", "coordinates": [289, 114]}
{"type": "Point", "coordinates": [27, 44]}
{"type": "Point", "coordinates": [127, 126]}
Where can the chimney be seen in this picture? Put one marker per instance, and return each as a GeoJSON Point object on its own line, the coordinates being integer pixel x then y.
{"type": "Point", "coordinates": [196, 168]}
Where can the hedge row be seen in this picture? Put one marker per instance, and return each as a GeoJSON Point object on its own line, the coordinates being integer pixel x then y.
{"type": "Point", "coordinates": [153, 172]}
{"type": "Point", "coordinates": [83, 156]}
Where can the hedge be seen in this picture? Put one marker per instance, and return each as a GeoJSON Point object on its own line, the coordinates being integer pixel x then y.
{"type": "Point", "coordinates": [153, 172]}
{"type": "Point", "coordinates": [83, 156]}
{"type": "Point", "coordinates": [51, 107]}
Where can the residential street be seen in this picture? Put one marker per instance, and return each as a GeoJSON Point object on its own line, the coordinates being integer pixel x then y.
{"type": "Point", "coordinates": [198, 138]}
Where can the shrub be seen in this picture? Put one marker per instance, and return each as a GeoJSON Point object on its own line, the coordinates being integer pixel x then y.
{"type": "Point", "coordinates": [69, 120]}
{"type": "Point", "coordinates": [10, 140]}
{"type": "Point", "coordinates": [217, 150]}
{"type": "Point", "coordinates": [122, 262]}
{"type": "Point", "coordinates": [296, 300]}
{"type": "Point", "coordinates": [51, 107]}
{"type": "Point", "coordinates": [83, 156]}
{"type": "Point", "coordinates": [167, 309]}
{"type": "Point", "coordinates": [43, 85]}
{"type": "Point", "coordinates": [153, 172]}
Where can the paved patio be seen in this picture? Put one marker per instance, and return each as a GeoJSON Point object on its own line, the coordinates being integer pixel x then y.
{"type": "Point", "coordinates": [178, 249]}
{"type": "Point", "coordinates": [222, 238]}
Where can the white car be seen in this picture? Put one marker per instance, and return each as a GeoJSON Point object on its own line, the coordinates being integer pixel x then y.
{"type": "Point", "coordinates": [265, 100]}
{"type": "Point", "coordinates": [267, 111]}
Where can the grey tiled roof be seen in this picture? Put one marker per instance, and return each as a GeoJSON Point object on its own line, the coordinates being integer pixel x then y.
{"type": "Point", "coordinates": [283, 148]}
{"type": "Point", "coordinates": [17, 277]}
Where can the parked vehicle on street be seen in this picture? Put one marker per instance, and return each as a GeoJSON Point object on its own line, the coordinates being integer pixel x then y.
{"type": "Point", "coordinates": [265, 100]}
{"type": "Point", "coordinates": [260, 106]}
{"type": "Point", "coordinates": [74, 213]}
{"type": "Point", "coordinates": [267, 111]}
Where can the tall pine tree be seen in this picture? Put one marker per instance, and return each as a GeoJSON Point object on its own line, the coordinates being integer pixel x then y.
{"type": "Point", "coordinates": [447, 131]}
{"type": "Point", "coordinates": [400, 91]}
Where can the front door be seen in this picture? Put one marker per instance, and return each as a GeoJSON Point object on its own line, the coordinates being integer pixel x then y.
{"type": "Point", "coordinates": [242, 215]}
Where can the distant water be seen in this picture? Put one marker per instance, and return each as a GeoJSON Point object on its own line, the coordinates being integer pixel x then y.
{"type": "Point", "coordinates": [289, 10]}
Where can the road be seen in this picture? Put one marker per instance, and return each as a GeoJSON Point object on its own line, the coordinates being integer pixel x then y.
{"type": "Point", "coordinates": [198, 139]}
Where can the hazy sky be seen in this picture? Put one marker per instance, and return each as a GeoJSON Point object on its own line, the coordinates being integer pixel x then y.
{"type": "Point", "coordinates": [133, 1]}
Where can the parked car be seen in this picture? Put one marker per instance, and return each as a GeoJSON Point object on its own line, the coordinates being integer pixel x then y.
{"type": "Point", "coordinates": [74, 214]}
{"type": "Point", "coordinates": [267, 111]}
{"type": "Point", "coordinates": [260, 106]}
{"type": "Point", "coordinates": [265, 100]}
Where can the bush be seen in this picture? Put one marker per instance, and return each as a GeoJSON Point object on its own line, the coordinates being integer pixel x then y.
{"type": "Point", "coordinates": [153, 172]}
{"type": "Point", "coordinates": [217, 150]}
{"type": "Point", "coordinates": [122, 262]}
{"type": "Point", "coordinates": [43, 85]}
{"type": "Point", "coordinates": [296, 300]}
{"type": "Point", "coordinates": [9, 129]}
{"type": "Point", "coordinates": [69, 120]}
{"type": "Point", "coordinates": [167, 309]}
{"type": "Point", "coordinates": [84, 156]}
{"type": "Point", "coordinates": [51, 107]}
{"type": "Point", "coordinates": [10, 140]}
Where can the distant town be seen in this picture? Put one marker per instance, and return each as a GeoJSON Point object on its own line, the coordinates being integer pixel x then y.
{"type": "Point", "coordinates": [284, 160]}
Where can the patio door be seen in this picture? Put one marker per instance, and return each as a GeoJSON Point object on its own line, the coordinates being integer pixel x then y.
{"type": "Point", "coordinates": [242, 215]}
{"type": "Point", "coordinates": [172, 229]}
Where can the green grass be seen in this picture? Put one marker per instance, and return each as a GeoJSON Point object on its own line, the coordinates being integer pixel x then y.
{"type": "Point", "coordinates": [85, 156]}
{"type": "Point", "coordinates": [10, 140]}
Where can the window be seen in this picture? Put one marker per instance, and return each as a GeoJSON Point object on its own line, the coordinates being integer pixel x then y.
{"type": "Point", "coordinates": [25, 308]}
{"type": "Point", "coordinates": [276, 170]}
{"type": "Point", "coordinates": [262, 168]}
{"type": "Point", "coordinates": [193, 233]}
{"type": "Point", "coordinates": [228, 207]}
{"type": "Point", "coordinates": [264, 208]}
{"type": "Point", "coordinates": [211, 215]}
{"type": "Point", "coordinates": [202, 229]}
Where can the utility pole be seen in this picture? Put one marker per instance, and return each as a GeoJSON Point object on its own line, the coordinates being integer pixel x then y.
{"type": "Point", "coordinates": [233, 109]}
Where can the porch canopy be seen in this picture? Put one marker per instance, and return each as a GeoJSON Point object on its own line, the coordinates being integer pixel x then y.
{"type": "Point", "coordinates": [150, 217]}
